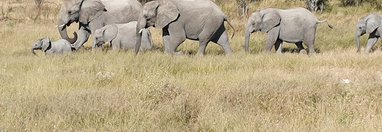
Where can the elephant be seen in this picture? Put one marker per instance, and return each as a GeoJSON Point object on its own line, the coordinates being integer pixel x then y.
{"type": "Point", "coordinates": [94, 14]}
{"type": "Point", "coordinates": [296, 25]}
{"type": "Point", "coordinates": [371, 25]}
{"type": "Point", "coordinates": [200, 20]}
{"type": "Point", "coordinates": [122, 36]}
{"type": "Point", "coordinates": [58, 47]}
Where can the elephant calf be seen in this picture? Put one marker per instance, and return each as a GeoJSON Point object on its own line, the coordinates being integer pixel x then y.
{"type": "Point", "coordinates": [296, 25]}
{"type": "Point", "coordinates": [122, 36]}
{"type": "Point", "coordinates": [49, 47]}
{"type": "Point", "coordinates": [370, 25]}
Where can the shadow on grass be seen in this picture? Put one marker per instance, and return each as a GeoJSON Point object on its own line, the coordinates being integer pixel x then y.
{"type": "Point", "coordinates": [295, 50]}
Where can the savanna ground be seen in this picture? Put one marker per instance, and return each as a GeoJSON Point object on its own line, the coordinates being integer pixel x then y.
{"type": "Point", "coordinates": [334, 90]}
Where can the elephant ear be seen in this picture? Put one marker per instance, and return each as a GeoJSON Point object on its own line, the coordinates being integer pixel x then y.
{"type": "Point", "coordinates": [372, 24]}
{"type": "Point", "coordinates": [166, 12]}
{"type": "Point", "coordinates": [46, 44]}
{"type": "Point", "coordinates": [110, 32]}
{"type": "Point", "coordinates": [270, 19]}
{"type": "Point", "coordinates": [90, 10]}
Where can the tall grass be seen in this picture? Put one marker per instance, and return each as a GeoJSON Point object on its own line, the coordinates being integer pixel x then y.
{"type": "Point", "coordinates": [334, 90]}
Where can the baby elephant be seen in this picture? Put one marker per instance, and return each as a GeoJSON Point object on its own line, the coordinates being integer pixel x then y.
{"type": "Point", "coordinates": [49, 47]}
{"type": "Point", "coordinates": [296, 25]}
{"type": "Point", "coordinates": [370, 25]}
{"type": "Point", "coordinates": [122, 36]}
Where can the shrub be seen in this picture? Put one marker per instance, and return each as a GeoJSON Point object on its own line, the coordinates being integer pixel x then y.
{"type": "Point", "coordinates": [375, 3]}
{"type": "Point", "coordinates": [316, 5]}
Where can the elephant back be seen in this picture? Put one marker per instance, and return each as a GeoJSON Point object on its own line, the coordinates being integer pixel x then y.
{"type": "Point", "coordinates": [123, 10]}
{"type": "Point", "coordinates": [189, 5]}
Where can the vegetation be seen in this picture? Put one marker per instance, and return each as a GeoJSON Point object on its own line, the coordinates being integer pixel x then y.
{"type": "Point", "coordinates": [375, 3]}
{"type": "Point", "coordinates": [334, 90]}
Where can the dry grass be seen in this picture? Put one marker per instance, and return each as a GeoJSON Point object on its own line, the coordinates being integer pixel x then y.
{"type": "Point", "coordinates": [335, 90]}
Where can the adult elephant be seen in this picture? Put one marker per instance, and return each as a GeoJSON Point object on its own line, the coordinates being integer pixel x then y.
{"type": "Point", "coordinates": [371, 25]}
{"type": "Point", "coordinates": [297, 25]}
{"type": "Point", "coordinates": [94, 14]}
{"type": "Point", "coordinates": [179, 20]}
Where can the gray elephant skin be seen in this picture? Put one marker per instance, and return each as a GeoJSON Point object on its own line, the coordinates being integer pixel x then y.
{"type": "Point", "coordinates": [371, 25]}
{"type": "Point", "coordinates": [122, 36]}
{"type": "Point", "coordinates": [49, 47]}
{"type": "Point", "coordinates": [200, 20]}
{"type": "Point", "coordinates": [297, 25]}
{"type": "Point", "coordinates": [94, 14]}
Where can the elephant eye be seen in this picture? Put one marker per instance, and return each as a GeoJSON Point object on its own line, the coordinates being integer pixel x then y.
{"type": "Point", "coordinates": [72, 11]}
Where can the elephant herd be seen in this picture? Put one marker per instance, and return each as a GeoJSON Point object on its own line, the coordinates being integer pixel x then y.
{"type": "Point", "coordinates": [124, 24]}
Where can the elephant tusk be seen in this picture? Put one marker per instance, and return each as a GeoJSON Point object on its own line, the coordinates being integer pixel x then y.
{"type": "Point", "coordinates": [140, 31]}
{"type": "Point", "coordinates": [34, 53]}
{"type": "Point", "coordinates": [61, 25]}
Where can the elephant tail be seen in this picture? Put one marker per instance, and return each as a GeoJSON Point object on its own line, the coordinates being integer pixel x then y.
{"type": "Point", "coordinates": [229, 23]}
{"type": "Point", "coordinates": [325, 21]}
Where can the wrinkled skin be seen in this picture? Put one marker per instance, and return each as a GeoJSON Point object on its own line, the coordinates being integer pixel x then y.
{"type": "Point", "coordinates": [200, 20]}
{"type": "Point", "coordinates": [122, 36]}
{"type": "Point", "coordinates": [49, 47]}
{"type": "Point", "coordinates": [296, 25]}
{"type": "Point", "coordinates": [368, 25]}
{"type": "Point", "coordinates": [94, 14]}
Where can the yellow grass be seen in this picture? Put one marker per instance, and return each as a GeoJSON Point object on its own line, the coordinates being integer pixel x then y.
{"type": "Point", "coordinates": [334, 90]}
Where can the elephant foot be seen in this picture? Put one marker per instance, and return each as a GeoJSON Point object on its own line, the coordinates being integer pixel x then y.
{"type": "Point", "coordinates": [279, 52]}
{"type": "Point", "coordinates": [303, 51]}
{"type": "Point", "coordinates": [228, 54]}
{"type": "Point", "coordinates": [200, 54]}
{"type": "Point", "coordinates": [77, 47]}
{"type": "Point", "coordinates": [179, 53]}
{"type": "Point", "coordinates": [267, 52]}
{"type": "Point", "coordinates": [95, 50]}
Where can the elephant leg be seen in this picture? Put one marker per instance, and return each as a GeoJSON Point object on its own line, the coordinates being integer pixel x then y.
{"type": "Point", "coordinates": [279, 46]}
{"type": "Point", "coordinates": [212, 30]}
{"type": "Point", "coordinates": [371, 42]}
{"type": "Point", "coordinates": [202, 47]}
{"type": "Point", "coordinates": [300, 47]}
{"type": "Point", "coordinates": [272, 38]}
{"type": "Point", "coordinates": [116, 46]}
{"type": "Point", "coordinates": [310, 38]}
{"type": "Point", "coordinates": [221, 38]}
{"type": "Point", "coordinates": [311, 47]}
{"type": "Point", "coordinates": [172, 36]}
{"type": "Point", "coordinates": [83, 36]}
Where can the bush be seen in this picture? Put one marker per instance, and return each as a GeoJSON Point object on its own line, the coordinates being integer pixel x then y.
{"type": "Point", "coordinates": [316, 5]}
{"type": "Point", "coordinates": [351, 2]}
{"type": "Point", "coordinates": [375, 3]}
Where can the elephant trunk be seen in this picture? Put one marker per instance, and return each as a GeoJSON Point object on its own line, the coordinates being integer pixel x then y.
{"type": "Point", "coordinates": [357, 40]}
{"type": "Point", "coordinates": [64, 34]}
{"type": "Point", "coordinates": [140, 26]}
{"type": "Point", "coordinates": [247, 37]}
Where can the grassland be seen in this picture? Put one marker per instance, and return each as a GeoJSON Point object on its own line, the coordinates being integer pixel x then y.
{"type": "Point", "coordinates": [334, 90]}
